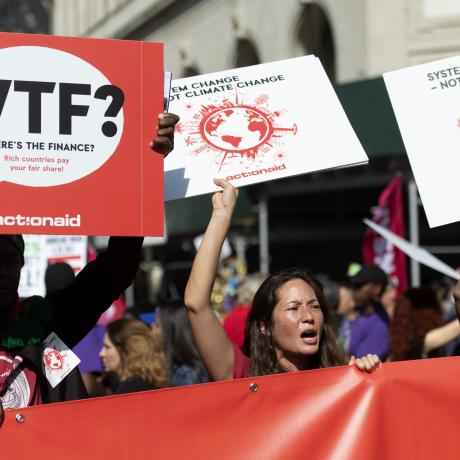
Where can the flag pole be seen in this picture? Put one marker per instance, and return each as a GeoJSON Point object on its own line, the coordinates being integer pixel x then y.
{"type": "Point", "coordinates": [414, 230]}
{"type": "Point", "coordinates": [264, 254]}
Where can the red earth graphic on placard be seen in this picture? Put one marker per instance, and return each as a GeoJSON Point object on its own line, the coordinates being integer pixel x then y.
{"type": "Point", "coordinates": [54, 360]}
{"type": "Point", "coordinates": [235, 130]}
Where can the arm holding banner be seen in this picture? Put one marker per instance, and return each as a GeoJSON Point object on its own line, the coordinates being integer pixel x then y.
{"type": "Point", "coordinates": [213, 344]}
{"type": "Point", "coordinates": [440, 336]}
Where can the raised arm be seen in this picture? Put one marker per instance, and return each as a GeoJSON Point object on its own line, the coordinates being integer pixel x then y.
{"type": "Point", "coordinates": [441, 335]}
{"type": "Point", "coordinates": [96, 287]}
{"type": "Point", "coordinates": [215, 347]}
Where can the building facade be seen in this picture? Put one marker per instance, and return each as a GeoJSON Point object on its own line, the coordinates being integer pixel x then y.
{"type": "Point", "coordinates": [363, 38]}
{"type": "Point", "coordinates": [27, 16]}
{"type": "Point", "coordinates": [356, 40]}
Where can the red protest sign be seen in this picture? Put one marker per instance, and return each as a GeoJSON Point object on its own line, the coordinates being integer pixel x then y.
{"type": "Point", "coordinates": [76, 119]}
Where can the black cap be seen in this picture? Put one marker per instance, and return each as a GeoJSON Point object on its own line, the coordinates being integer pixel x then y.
{"type": "Point", "coordinates": [369, 274]}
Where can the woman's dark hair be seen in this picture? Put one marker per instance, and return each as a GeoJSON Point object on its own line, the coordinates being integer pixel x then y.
{"type": "Point", "coordinates": [261, 348]}
{"type": "Point", "coordinates": [179, 344]}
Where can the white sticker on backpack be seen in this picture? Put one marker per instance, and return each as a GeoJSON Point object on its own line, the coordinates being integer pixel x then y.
{"type": "Point", "coordinates": [58, 359]}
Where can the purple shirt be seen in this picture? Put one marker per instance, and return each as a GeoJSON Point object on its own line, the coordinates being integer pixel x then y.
{"type": "Point", "coordinates": [370, 334]}
{"type": "Point", "coordinates": [88, 350]}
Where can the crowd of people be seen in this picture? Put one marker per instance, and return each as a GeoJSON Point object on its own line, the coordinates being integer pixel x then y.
{"type": "Point", "coordinates": [288, 321]}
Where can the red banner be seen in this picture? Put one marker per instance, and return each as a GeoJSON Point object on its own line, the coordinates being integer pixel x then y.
{"type": "Point", "coordinates": [376, 249]}
{"type": "Point", "coordinates": [404, 410]}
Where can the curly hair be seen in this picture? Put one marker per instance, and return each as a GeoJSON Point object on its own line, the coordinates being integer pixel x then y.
{"type": "Point", "coordinates": [140, 354]}
{"type": "Point", "coordinates": [416, 313]}
{"type": "Point", "coordinates": [261, 347]}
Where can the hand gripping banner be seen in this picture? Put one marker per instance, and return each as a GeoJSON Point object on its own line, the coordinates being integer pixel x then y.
{"type": "Point", "coordinates": [405, 410]}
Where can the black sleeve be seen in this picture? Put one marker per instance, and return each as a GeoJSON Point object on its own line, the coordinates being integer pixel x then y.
{"type": "Point", "coordinates": [95, 288]}
{"type": "Point", "coordinates": [133, 386]}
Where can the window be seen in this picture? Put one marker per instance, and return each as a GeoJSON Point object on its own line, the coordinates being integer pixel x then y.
{"type": "Point", "coordinates": [314, 35]}
{"type": "Point", "coordinates": [246, 53]}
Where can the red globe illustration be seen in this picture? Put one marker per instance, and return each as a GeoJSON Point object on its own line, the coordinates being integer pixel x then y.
{"type": "Point", "coordinates": [236, 129]}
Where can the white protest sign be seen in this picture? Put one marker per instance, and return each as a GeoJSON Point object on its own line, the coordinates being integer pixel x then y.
{"type": "Point", "coordinates": [44, 250]}
{"type": "Point", "coordinates": [425, 99]}
{"type": "Point", "coordinates": [71, 249]}
{"type": "Point", "coordinates": [255, 124]}
{"type": "Point", "coordinates": [415, 252]}
{"type": "Point", "coordinates": [58, 359]}
{"type": "Point", "coordinates": [49, 127]}
{"type": "Point", "coordinates": [32, 281]}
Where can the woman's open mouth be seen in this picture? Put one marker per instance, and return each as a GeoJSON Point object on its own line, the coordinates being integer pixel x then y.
{"type": "Point", "coordinates": [309, 337]}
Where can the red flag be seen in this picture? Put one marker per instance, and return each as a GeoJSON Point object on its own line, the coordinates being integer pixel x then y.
{"type": "Point", "coordinates": [376, 249]}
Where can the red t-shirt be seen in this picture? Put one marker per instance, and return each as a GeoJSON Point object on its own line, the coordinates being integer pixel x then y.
{"type": "Point", "coordinates": [240, 363]}
{"type": "Point", "coordinates": [18, 382]}
{"type": "Point", "coordinates": [235, 323]}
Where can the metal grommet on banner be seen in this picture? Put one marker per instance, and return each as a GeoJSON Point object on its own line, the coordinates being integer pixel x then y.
{"type": "Point", "coordinates": [253, 387]}
{"type": "Point", "coordinates": [20, 418]}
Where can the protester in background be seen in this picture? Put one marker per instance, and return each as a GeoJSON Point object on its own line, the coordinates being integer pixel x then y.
{"type": "Point", "coordinates": [235, 321]}
{"type": "Point", "coordinates": [287, 328]}
{"type": "Point", "coordinates": [70, 312]}
{"type": "Point", "coordinates": [58, 276]}
{"type": "Point", "coordinates": [131, 353]}
{"type": "Point", "coordinates": [331, 291]}
{"type": "Point", "coordinates": [369, 331]}
{"type": "Point", "coordinates": [456, 295]}
{"type": "Point", "coordinates": [417, 329]}
{"type": "Point", "coordinates": [443, 289]}
{"type": "Point", "coordinates": [447, 301]}
{"type": "Point", "coordinates": [341, 304]}
{"type": "Point", "coordinates": [347, 309]}
{"type": "Point", "coordinates": [173, 329]}
{"type": "Point", "coordinates": [388, 298]}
